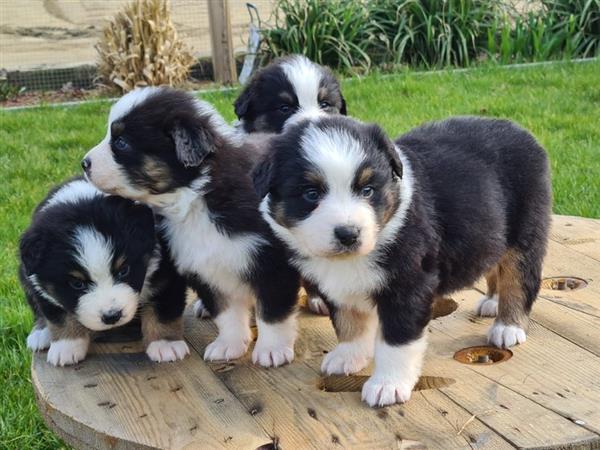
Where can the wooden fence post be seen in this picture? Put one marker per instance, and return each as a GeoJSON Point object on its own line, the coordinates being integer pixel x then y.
{"type": "Point", "coordinates": [222, 45]}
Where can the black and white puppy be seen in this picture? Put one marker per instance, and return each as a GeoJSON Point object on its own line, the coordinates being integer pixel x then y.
{"type": "Point", "coordinates": [287, 90]}
{"type": "Point", "coordinates": [385, 227]}
{"type": "Point", "coordinates": [176, 154]}
{"type": "Point", "coordinates": [89, 262]}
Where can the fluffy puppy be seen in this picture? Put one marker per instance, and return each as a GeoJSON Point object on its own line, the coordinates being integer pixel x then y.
{"type": "Point", "coordinates": [176, 154]}
{"type": "Point", "coordinates": [89, 263]}
{"type": "Point", "coordinates": [288, 89]}
{"type": "Point", "coordinates": [383, 228]}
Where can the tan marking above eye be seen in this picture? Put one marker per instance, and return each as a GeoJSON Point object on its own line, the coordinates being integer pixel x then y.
{"type": "Point", "coordinates": [314, 177]}
{"type": "Point", "coordinates": [323, 94]}
{"type": "Point", "coordinates": [119, 262]}
{"type": "Point", "coordinates": [364, 176]}
{"type": "Point", "coordinates": [117, 128]}
{"type": "Point", "coordinates": [286, 98]}
{"type": "Point", "coordinates": [77, 274]}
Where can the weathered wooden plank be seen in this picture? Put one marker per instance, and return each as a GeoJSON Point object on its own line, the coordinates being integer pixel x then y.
{"type": "Point", "coordinates": [221, 42]}
{"type": "Point", "coordinates": [306, 417]}
{"type": "Point", "coordinates": [124, 400]}
{"type": "Point", "coordinates": [581, 235]}
{"type": "Point", "coordinates": [549, 371]}
{"type": "Point", "coordinates": [564, 261]}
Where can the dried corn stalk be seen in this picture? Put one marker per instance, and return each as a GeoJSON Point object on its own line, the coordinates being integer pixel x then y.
{"type": "Point", "coordinates": [140, 47]}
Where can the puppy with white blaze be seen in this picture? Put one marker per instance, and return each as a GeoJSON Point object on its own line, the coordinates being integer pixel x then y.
{"type": "Point", "coordinates": [287, 90]}
{"type": "Point", "coordinates": [175, 153]}
{"type": "Point", "coordinates": [90, 262]}
{"type": "Point", "coordinates": [383, 228]}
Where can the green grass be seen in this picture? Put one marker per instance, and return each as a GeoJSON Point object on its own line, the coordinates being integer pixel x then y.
{"type": "Point", "coordinates": [560, 104]}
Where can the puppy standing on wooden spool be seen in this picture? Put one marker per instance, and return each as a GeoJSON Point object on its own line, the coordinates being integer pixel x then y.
{"type": "Point", "coordinates": [382, 228]}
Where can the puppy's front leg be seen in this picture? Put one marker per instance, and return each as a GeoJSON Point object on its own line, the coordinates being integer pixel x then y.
{"type": "Point", "coordinates": [356, 335]}
{"type": "Point", "coordinates": [277, 292]}
{"type": "Point", "coordinates": [69, 341]}
{"type": "Point", "coordinates": [399, 347]}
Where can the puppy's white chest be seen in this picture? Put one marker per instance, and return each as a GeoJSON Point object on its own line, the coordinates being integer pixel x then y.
{"type": "Point", "coordinates": [349, 283]}
{"type": "Point", "coordinates": [220, 260]}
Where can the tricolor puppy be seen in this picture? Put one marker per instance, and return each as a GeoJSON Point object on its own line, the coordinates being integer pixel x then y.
{"type": "Point", "coordinates": [287, 90]}
{"type": "Point", "coordinates": [89, 262]}
{"type": "Point", "coordinates": [383, 228]}
{"type": "Point", "coordinates": [176, 154]}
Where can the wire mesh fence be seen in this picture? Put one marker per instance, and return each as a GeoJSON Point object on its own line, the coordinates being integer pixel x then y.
{"type": "Point", "coordinates": [47, 44]}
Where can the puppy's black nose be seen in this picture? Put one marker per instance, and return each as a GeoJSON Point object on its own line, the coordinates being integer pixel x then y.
{"type": "Point", "coordinates": [112, 317]}
{"type": "Point", "coordinates": [347, 235]}
{"type": "Point", "coordinates": [86, 165]}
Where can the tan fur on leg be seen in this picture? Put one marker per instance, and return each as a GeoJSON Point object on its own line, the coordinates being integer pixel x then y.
{"type": "Point", "coordinates": [154, 330]}
{"type": "Point", "coordinates": [512, 301]}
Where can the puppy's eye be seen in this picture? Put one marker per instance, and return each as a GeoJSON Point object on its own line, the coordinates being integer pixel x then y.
{"type": "Point", "coordinates": [311, 195]}
{"type": "Point", "coordinates": [367, 192]}
{"type": "Point", "coordinates": [77, 284]}
{"type": "Point", "coordinates": [123, 272]}
{"type": "Point", "coordinates": [120, 144]}
{"type": "Point", "coordinates": [324, 104]}
{"type": "Point", "coordinates": [285, 108]}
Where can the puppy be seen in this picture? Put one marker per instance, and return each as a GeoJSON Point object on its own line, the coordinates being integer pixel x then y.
{"type": "Point", "coordinates": [385, 227]}
{"type": "Point", "coordinates": [176, 154]}
{"type": "Point", "coordinates": [288, 89]}
{"type": "Point", "coordinates": [88, 263]}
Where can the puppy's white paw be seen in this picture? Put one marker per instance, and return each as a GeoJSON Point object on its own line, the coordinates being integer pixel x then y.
{"type": "Point", "coordinates": [272, 355]}
{"type": "Point", "coordinates": [226, 349]}
{"type": "Point", "coordinates": [346, 358]}
{"type": "Point", "coordinates": [379, 391]}
{"type": "Point", "coordinates": [200, 310]}
{"type": "Point", "coordinates": [165, 351]}
{"type": "Point", "coordinates": [488, 306]}
{"type": "Point", "coordinates": [38, 339]}
{"type": "Point", "coordinates": [318, 306]}
{"type": "Point", "coordinates": [504, 336]}
{"type": "Point", "coordinates": [65, 352]}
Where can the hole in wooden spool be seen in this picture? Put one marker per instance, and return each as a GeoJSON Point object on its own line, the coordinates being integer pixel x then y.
{"type": "Point", "coordinates": [442, 307]}
{"type": "Point", "coordinates": [563, 283]}
{"type": "Point", "coordinates": [483, 355]}
{"type": "Point", "coordinates": [354, 383]}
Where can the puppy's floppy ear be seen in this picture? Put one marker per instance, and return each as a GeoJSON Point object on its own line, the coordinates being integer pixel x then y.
{"type": "Point", "coordinates": [242, 103]}
{"type": "Point", "coordinates": [137, 222]}
{"type": "Point", "coordinates": [193, 141]}
{"type": "Point", "coordinates": [387, 147]}
{"type": "Point", "coordinates": [262, 175]}
{"type": "Point", "coordinates": [343, 108]}
{"type": "Point", "coordinates": [32, 248]}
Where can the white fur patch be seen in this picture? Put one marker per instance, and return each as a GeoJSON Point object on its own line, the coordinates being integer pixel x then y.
{"type": "Point", "coordinates": [72, 192]}
{"type": "Point", "coordinates": [305, 77]}
{"type": "Point", "coordinates": [275, 344]}
{"type": "Point", "coordinates": [351, 357]}
{"type": "Point", "coordinates": [198, 246]}
{"type": "Point", "coordinates": [318, 306]}
{"type": "Point", "coordinates": [65, 352]}
{"type": "Point", "coordinates": [504, 336]}
{"type": "Point", "coordinates": [165, 351]}
{"type": "Point", "coordinates": [234, 332]}
{"type": "Point", "coordinates": [95, 254]}
{"type": "Point", "coordinates": [37, 287]}
{"type": "Point", "coordinates": [487, 306]}
{"type": "Point", "coordinates": [397, 370]}
{"type": "Point", "coordinates": [38, 339]}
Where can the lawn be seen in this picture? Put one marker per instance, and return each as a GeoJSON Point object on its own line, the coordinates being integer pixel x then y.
{"type": "Point", "coordinates": [560, 104]}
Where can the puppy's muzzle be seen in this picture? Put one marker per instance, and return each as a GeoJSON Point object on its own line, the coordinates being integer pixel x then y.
{"type": "Point", "coordinates": [347, 235]}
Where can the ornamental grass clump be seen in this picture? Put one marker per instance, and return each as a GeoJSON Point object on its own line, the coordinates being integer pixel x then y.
{"type": "Point", "coordinates": [140, 47]}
